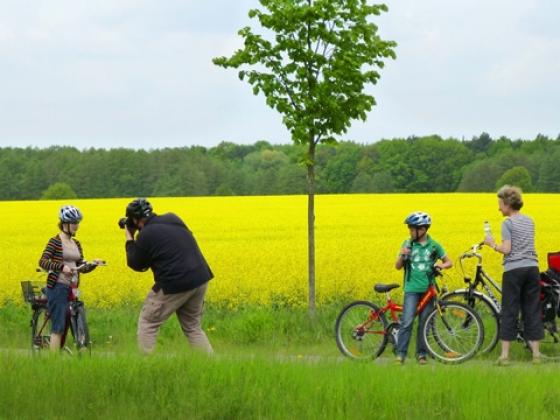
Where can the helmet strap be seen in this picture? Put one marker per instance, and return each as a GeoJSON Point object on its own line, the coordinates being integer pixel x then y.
{"type": "Point", "coordinates": [416, 237]}
{"type": "Point", "coordinates": [68, 233]}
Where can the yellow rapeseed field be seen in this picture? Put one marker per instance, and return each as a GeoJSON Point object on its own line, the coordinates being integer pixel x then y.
{"type": "Point", "coordinates": [257, 246]}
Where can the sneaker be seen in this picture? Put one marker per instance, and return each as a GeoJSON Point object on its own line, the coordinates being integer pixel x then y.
{"type": "Point", "coordinates": [537, 360]}
{"type": "Point", "coordinates": [399, 360]}
{"type": "Point", "coordinates": [422, 360]}
{"type": "Point", "coordinates": [503, 361]}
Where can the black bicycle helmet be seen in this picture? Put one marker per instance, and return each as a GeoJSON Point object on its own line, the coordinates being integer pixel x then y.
{"type": "Point", "coordinates": [139, 208]}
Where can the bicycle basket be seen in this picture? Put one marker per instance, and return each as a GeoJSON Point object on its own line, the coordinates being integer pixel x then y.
{"type": "Point", "coordinates": [32, 290]}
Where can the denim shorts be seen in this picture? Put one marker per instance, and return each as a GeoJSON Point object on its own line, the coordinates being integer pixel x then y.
{"type": "Point", "coordinates": [58, 305]}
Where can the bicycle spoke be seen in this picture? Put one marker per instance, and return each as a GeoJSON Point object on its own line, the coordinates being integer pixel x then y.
{"type": "Point", "coordinates": [454, 333]}
{"type": "Point", "coordinates": [81, 333]}
{"type": "Point", "coordinates": [488, 315]}
{"type": "Point", "coordinates": [360, 331]}
{"type": "Point", "coordinates": [550, 345]}
{"type": "Point", "coordinates": [40, 329]}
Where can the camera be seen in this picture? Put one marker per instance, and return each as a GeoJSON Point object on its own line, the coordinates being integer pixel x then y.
{"type": "Point", "coordinates": [127, 222]}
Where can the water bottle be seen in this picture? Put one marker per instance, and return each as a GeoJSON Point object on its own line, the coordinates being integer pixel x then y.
{"type": "Point", "coordinates": [487, 230]}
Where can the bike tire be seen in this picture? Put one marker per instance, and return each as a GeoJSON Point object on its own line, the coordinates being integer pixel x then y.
{"type": "Point", "coordinates": [361, 331]}
{"type": "Point", "coordinates": [453, 332]}
{"type": "Point", "coordinates": [550, 345]}
{"type": "Point", "coordinates": [40, 329]}
{"type": "Point", "coordinates": [488, 314]}
{"type": "Point", "coordinates": [81, 330]}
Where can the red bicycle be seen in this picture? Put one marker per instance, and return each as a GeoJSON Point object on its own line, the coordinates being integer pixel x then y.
{"type": "Point", "coordinates": [76, 320]}
{"type": "Point", "coordinates": [453, 332]}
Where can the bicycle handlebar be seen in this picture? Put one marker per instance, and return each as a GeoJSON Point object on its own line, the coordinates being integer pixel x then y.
{"type": "Point", "coordinates": [80, 268]}
{"type": "Point", "coordinates": [86, 265]}
{"type": "Point", "coordinates": [472, 251]}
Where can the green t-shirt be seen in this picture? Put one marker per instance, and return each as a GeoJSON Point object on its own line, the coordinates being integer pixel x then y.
{"type": "Point", "coordinates": [423, 256]}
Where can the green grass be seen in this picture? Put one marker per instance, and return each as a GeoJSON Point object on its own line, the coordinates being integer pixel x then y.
{"type": "Point", "coordinates": [193, 386]}
{"type": "Point", "coordinates": [269, 363]}
{"type": "Point", "coordinates": [246, 329]}
{"type": "Point", "coordinates": [249, 330]}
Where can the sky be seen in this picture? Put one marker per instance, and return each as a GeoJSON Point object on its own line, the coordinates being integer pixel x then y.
{"type": "Point", "coordinates": [138, 73]}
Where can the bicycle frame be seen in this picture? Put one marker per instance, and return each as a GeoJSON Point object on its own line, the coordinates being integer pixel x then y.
{"type": "Point", "coordinates": [68, 322]}
{"type": "Point", "coordinates": [481, 279]}
{"type": "Point", "coordinates": [394, 309]}
{"type": "Point", "coordinates": [75, 305]}
{"type": "Point", "coordinates": [364, 329]}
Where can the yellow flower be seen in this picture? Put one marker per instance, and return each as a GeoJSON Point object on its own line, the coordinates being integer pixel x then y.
{"type": "Point", "coordinates": [257, 246]}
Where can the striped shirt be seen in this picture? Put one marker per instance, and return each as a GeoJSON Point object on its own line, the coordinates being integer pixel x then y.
{"type": "Point", "coordinates": [520, 230]}
{"type": "Point", "coordinates": [52, 259]}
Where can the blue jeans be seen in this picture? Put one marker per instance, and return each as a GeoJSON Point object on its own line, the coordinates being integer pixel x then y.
{"type": "Point", "coordinates": [405, 331]}
{"type": "Point", "coordinates": [58, 305]}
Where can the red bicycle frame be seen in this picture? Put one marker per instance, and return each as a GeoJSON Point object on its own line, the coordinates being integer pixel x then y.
{"type": "Point", "coordinates": [394, 308]}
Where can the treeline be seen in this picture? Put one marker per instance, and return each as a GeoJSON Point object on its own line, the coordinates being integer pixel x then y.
{"type": "Point", "coordinates": [415, 164]}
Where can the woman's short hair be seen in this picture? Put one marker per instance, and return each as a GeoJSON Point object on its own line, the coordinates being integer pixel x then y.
{"type": "Point", "coordinates": [511, 196]}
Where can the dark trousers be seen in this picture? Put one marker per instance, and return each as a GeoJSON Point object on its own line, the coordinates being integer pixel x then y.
{"type": "Point", "coordinates": [521, 291]}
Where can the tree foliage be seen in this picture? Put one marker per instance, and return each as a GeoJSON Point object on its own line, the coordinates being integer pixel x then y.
{"type": "Point", "coordinates": [519, 176]}
{"type": "Point", "coordinates": [57, 191]}
{"type": "Point", "coordinates": [416, 164]}
{"type": "Point", "coordinates": [312, 67]}
{"type": "Point", "coordinates": [314, 64]}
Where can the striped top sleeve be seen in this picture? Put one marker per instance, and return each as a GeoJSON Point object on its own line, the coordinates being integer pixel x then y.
{"type": "Point", "coordinates": [52, 259]}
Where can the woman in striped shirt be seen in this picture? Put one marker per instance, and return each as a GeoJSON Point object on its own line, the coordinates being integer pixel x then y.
{"type": "Point", "coordinates": [520, 281]}
{"type": "Point", "coordinates": [60, 258]}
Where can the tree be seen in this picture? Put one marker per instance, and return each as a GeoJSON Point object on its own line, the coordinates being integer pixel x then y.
{"type": "Point", "coordinates": [519, 176]}
{"type": "Point", "coordinates": [481, 176]}
{"type": "Point", "coordinates": [58, 191]}
{"type": "Point", "coordinates": [549, 173]}
{"type": "Point", "coordinates": [341, 169]}
{"type": "Point", "coordinates": [480, 144]}
{"type": "Point", "coordinates": [313, 71]}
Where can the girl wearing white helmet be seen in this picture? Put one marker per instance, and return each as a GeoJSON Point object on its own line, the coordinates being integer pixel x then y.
{"type": "Point", "coordinates": [60, 258]}
{"type": "Point", "coordinates": [419, 256]}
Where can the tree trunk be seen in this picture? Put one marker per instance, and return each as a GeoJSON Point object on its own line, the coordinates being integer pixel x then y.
{"type": "Point", "coordinates": [311, 226]}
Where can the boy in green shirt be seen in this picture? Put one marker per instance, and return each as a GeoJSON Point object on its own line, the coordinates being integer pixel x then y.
{"type": "Point", "coordinates": [419, 257]}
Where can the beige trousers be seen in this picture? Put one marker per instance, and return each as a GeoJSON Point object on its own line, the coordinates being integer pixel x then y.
{"type": "Point", "coordinates": [158, 307]}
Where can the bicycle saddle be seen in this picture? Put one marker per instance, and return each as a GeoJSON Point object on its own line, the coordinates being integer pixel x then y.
{"type": "Point", "coordinates": [382, 288]}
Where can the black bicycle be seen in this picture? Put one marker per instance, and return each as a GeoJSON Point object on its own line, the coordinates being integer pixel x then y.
{"type": "Point", "coordinates": [487, 305]}
{"type": "Point", "coordinates": [76, 320]}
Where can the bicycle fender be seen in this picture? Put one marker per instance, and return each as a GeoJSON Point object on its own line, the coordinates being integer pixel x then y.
{"type": "Point", "coordinates": [475, 293]}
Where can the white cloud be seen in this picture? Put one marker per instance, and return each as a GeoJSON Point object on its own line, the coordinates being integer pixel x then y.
{"type": "Point", "coordinates": [139, 72]}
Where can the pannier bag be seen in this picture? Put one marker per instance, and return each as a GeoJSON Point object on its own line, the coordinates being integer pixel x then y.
{"type": "Point", "coordinates": [554, 261]}
{"type": "Point", "coordinates": [550, 295]}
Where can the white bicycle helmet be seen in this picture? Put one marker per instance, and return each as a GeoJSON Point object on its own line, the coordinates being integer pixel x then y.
{"type": "Point", "coordinates": [70, 214]}
{"type": "Point", "coordinates": [417, 219]}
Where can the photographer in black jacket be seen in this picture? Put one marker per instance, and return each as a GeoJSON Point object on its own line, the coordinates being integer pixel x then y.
{"type": "Point", "coordinates": [166, 246]}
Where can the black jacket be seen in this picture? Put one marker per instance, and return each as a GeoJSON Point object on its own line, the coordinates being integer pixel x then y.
{"type": "Point", "coordinates": [167, 246]}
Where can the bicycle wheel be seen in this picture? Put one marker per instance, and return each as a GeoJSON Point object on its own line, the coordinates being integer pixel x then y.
{"type": "Point", "coordinates": [550, 344]}
{"type": "Point", "coordinates": [40, 329]}
{"type": "Point", "coordinates": [80, 330]}
{"type": "Point", "coordinates": [489, 316]}
{"type": "Point", "coordinates": [453, 332]}
{"type": "Point", "coordinates": [361, 331]}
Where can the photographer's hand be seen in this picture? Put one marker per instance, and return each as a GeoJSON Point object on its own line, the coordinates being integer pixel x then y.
{"type": "Point", "coordinates": [128, 234]}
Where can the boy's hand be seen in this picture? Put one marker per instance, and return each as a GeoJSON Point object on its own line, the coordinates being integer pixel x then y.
{"type": "Point", "coordinates": [405, 251]}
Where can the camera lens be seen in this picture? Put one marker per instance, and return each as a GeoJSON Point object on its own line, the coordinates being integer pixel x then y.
{"type": "Point", "coordinates": [122, 222]}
